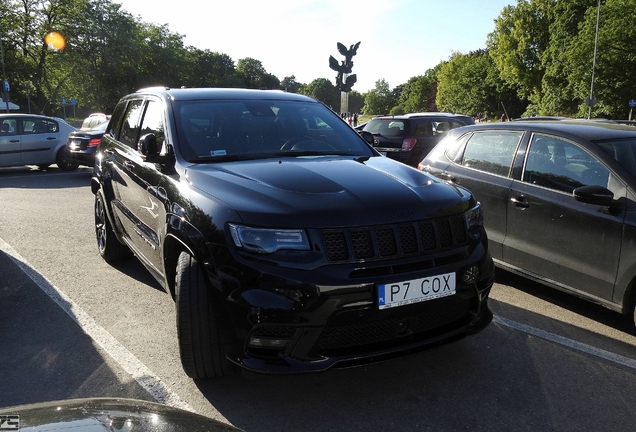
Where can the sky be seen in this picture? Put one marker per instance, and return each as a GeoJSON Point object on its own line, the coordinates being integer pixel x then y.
{"type": "Point", "coordinates": [399, 39]}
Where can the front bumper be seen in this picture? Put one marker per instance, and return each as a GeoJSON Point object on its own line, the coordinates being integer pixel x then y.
{"type": "Point", "coordinates": [82, 157]}
{"type": "Point", "coordinates": [290, 327]}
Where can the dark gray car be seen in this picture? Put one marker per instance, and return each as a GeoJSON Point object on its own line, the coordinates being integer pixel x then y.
{"type": "Point", "coordinates": [559, 201]}
{"type": "Point", "coordinates": [408, 138]}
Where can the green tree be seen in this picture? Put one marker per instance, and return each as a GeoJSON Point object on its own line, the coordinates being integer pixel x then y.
{"type": "Point", "coordinates": [211, 69]}
{"type": "Point", "coordinates": [518, 42]}
{"type": "Point", "coordinates": [470, 84]}
{"type": "Point", "coordinates": [614, 82]}
{"type": "Point", "coordinates": [418, 94]}
{"type": "Point", "coordinates": [290, 85]}
{"type": "Point", "coordinates": [558, 97]}
{"type": "Point", "coordinates": [254, 74]}
{"type": "Point", "coordinates": [356, 101]}
{"type": "Point", "coordinates": [324, 91]}
{"type": "Point", "coordinates": [380, 100]}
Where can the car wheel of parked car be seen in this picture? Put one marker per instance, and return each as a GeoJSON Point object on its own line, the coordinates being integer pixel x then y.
{"type": "Point", "coordinates": [63, 163]}
{"type": "Point", "coordinates": [201, 340]}
{"type": "Point", "coordinates": [110, 248]}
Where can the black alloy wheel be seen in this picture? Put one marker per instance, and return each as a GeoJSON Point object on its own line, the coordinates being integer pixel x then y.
{"type": "Point", "coordinates": [108, 245]}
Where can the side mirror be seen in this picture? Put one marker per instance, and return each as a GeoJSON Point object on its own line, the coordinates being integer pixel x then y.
{"type": "Point", "coordinates": [367, 136]}
{"type": "Point", "coordinates": [148, 148]}
{"type": "Point", "coordinates": [594, 194]}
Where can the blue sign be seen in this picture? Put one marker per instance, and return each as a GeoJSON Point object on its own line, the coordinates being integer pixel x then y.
{"type": "Point", "coordinates": [73, 101]}
{"type": "Point", "coordinates": [632, 103]}
{"type": "Point", "coordinates": [5, 85]}
{"type": "Point", "coordinates": [63, 101]}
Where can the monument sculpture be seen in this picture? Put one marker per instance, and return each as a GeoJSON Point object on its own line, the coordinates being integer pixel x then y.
{"type": "Point", "coordinates": [345, 79]}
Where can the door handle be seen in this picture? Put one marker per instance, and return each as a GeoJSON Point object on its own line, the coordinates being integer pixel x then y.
{"type": "Point", "coordinates": [50, 138]}
{"type": "Point", "coordinates": [129, 165]}
{"type": "Point", "coordinates": [520, 202]}
{"type": "Point", "coordinates": [449, 177]}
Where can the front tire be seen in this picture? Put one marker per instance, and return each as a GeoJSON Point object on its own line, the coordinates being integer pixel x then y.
{"type": "Point", "coordinates": [201, 340]}
{"type": "Point", "coordinates": [63, 163]}
{"type": "Point", "coordinates": [108, 245]}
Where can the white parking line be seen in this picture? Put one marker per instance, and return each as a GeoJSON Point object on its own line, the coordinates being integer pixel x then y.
{"type": "Point", "coordinates": [588, 349]}
{"type": "Point", "coordinates": [131, 364]}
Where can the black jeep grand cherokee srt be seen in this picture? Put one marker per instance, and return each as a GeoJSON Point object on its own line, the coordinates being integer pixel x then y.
{"type": "Point", "coordinates": [288, 243]}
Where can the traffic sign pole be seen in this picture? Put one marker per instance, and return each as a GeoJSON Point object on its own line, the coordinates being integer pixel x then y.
{"type": "Point", "coordinates": [632, 104]}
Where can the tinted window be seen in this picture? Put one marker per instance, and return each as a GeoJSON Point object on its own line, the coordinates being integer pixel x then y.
{"type": "Point", "coordinates": [38, 126]}
{"type": "Point", "coordinates": [114, 125]}
{"type": "Point", "coordinates": [153, 122]}
{"type": "Point", "coordinates": [422, 128]}
{"type": "Point", "coordinates": [387, 128]}
{"type": "Point", "coordinates": [491, 151]}
{"type": "Point", "coordinates": [9, 127]}
{"type": "Point", "coordinates": [130, 126]}
{"type": "Point", "coordinates": [214, 129]}
{"type": "Point", "coordinates": [561, 165]}
{"type": "Point", "coordinates": [623, 151]}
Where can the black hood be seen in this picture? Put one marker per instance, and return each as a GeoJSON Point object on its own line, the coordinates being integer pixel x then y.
{"type": "Point", "coordinates": [327, 191]}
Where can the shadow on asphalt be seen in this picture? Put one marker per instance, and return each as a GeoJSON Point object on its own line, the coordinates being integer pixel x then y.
{"type": "Point", "coordinates": [568, 301]}
{"type": "Point", "coordinates": [41, 343]}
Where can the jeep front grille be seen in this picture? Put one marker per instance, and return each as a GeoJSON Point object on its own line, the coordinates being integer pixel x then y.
{"type": "Point", "coordinates": [393, 241]}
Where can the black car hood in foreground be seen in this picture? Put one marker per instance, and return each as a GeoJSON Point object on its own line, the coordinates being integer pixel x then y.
{"type": "Point", "coordinates": [106, 414]}
{"type": "Point", "coordinates": [319, 191]}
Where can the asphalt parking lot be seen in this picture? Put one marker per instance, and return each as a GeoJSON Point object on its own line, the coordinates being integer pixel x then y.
{"type": "Point", "coordinates": [73, 326]}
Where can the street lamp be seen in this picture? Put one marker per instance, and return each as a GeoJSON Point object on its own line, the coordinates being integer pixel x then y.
{"type": "Point", "coordinates": [591, 101]}
{"type": "Point", "coordinates": [4, 76]}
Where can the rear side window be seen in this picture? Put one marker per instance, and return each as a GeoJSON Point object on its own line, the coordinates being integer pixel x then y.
{"type": "Point", "coordinates": [153, 122]}
{"type": "Point", "coordinates": [423, 128]}
{"type": "Point", "coordinates": [130, 126]}
{"type": "Point", "coordinates": [491, 151]}
{"type": "Point", "coordinates": [38, 126]}
{"type": "Point", "coordinates": [558, 164]}
{"type": "Point", "coordinates": [386, 127]}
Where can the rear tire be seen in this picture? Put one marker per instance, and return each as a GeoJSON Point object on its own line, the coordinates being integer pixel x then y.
{"type": "Point", "coordinates": [63, 163]}
{"type": "Point", "coordinates": [201, 340]}
{"type": "Point", "coordinates": [108, 245]}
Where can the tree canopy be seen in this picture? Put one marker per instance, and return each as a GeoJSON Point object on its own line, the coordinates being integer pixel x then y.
{"type": "Point", "coordinates": [539, 59]}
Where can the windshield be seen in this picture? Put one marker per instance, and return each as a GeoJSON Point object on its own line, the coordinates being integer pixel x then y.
{"type": "Point", "coordinates": [623, 151]}
{"type": "Point", "coordinates": [224, 130]}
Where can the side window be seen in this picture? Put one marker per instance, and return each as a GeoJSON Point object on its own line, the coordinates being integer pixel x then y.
{"type": "Point", "coordinates": [423, 128]}
{"type": "Point", "coordinates": [9, 127]}
{"type": "Point", "coordinates": [130, 126]}
{"type": "Point", "coordinates": [558, 164]}
{"type": "Point", "coordinates": [491, 151]}
{"type": "Point", "coordinates": [38, 126]}
{"type": "Point", "coordinates": [115, 122]}
{"type": "Point", "coordinates": [441, 127]}
{"type": "Point", "coordinates": [153, 122]}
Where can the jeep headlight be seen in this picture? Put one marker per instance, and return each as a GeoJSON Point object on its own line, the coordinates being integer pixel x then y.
{"type": "Point", "coordinates": [266, 240]}
{"type": "Point", "coordinates": [474, 216]}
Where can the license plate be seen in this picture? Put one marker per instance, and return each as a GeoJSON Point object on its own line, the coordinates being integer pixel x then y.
{"type": "Point", "coordinates": [416, 290]}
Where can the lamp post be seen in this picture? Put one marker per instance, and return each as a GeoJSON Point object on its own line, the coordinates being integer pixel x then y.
{"type": "Point", "coordinates": [591, 101]}
{"type": "Point", "coordinates": [4, 76]}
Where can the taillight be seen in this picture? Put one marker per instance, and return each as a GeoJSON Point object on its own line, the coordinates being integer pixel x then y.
{"type": "Point", "coordinates": [94, 142]}
{"type": "Point", "coordinates": [408, 144]}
